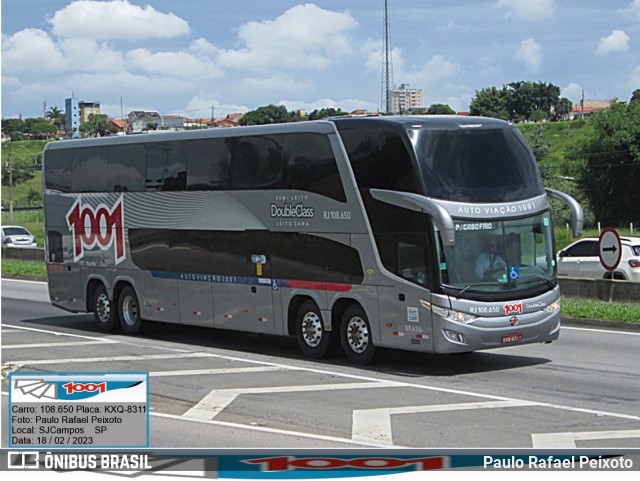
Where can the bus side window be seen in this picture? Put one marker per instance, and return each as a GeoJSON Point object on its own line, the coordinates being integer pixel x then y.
{"type": "Point", "coordinates": [54, 243]}
{"type": "Point", "coordinates": [310, 165]}
{"type": "Point", "coordinates": [166, 166]}
{"type": "Point", "coordinates": [125, 168]}
{"type": "Point", "coordinates": [89, 169]}
{"type": "Point", "coordinates": [208, 165]}
{"type": "Point", "coordinates": [256, 162]}
{"type": "Point", "coordinates": [57, 170]}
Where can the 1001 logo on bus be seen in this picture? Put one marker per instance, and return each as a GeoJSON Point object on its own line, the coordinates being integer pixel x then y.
{"type": "Point", "coordinates": [99, 226]}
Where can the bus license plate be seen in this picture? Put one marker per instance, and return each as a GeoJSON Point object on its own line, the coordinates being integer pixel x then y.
{"type": "Point", "coordinates": [509, 338]}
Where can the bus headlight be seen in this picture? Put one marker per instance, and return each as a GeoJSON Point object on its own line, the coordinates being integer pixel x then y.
{"type": "Point", "coordinates": [455, 316]}
{"type": "Point", "coordinates": [553, 307]}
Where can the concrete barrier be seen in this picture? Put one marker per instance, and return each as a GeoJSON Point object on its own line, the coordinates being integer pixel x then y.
{"type": "Point", "coordinates": [23, 254]}
{"type": "Point", "coordinates": [601, 289]}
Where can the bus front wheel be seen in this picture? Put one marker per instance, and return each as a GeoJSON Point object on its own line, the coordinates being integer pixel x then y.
{"type": "Point", "coordinates": [104, 310]}
{"type": "Point", "coordinates": [129, 311]}
{"type": "Point", "coordinates": [355, 333]}
{"type": "Point", "coordinates": [313, 339]}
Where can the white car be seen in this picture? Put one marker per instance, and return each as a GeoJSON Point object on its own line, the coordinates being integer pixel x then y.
{"type": "Point", "coordinates": [581, 259]}
{"type": "Point", "coordinates": [16, 236]}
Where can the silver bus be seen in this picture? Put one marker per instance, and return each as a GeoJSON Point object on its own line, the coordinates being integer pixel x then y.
{"type": "Point", "coordinates": [361, 233]}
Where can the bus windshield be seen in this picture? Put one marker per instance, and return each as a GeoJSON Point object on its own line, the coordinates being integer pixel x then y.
{"type": "Point", "coordinates": [477, 165]}
{"type": "Point", "coordinates": [499, 256]}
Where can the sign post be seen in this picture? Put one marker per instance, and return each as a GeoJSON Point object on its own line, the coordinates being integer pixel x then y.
{"type": "Point", "coordinates": [609, 248]}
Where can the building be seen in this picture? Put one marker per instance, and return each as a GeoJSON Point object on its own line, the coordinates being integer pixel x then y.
{"type": "Point", "coordinates": [586, 108]}
{"type": "Point", "coordinates": [76, 113]}
{"type": "Point", "coordinates": [405, 99]}
{"type": "Point", "coordinates": [140, 121]}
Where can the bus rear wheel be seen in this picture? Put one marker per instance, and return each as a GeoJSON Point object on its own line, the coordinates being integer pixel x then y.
{"type": "Point", "coordinates": [355, 333]}
{"type": "Point", "coordinates": [313, 339]}
{"type": "Point", "coordinates": [129, 311]}
{"type": "Point", "coordinates": [104, 310]}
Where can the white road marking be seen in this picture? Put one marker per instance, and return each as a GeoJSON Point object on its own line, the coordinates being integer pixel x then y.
{"type": "Point", "coordinates": [374, 425]}
{"type": "Point", "coordinates": [601, 331]}
{"type": "Point", "coordinates": [216, 401]}
{"type": "Point", "coordinates": [55, 344]}
{"type": "Point", "coordinates": [568, 440]}
{"type": "Point", "coordinates": [265, 429]}
{"type": "Point", "coordinates": [40, 362]}
{"type": "Point", "coordinates": [201, 372]}
{"type": "Point", "coordinates": [57, 333]}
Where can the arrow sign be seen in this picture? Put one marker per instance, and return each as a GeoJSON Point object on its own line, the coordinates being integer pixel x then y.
{"type": "Point", "coordinates": [609, 249]}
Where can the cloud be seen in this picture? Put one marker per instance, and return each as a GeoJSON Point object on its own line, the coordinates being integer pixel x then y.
{"type": "Point", "coordinates": [196, 63]}
{"type": "Point", "coordinates": [617, 41]}
{"type": "Point", "coordinates": [305, 37]}
{"type": "Point", "coordinates": [573, 92]}
{"type": "Point", "coordinates": [633, 10]}
{"type": "Point", "coordinates": [528, 9]}
{"type": "Point", "coordinates": [530, 54]}
{"type": "Point", "coordinates": [31, 50]}
{"type": "Point", "coordinates": [115, 20]}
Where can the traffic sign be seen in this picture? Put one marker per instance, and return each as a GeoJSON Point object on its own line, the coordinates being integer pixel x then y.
{"type": "Point", "coordinates": [609, 248]}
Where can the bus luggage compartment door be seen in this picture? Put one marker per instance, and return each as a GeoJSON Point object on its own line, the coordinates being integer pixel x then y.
{"type": "Point", "coordinates": [244, 302]}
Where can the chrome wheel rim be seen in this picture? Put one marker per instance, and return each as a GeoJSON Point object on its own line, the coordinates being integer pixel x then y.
{"type": "Point", "coordinates": [103, 307]}
{"type": "Point", "coordinates": [357, 335]}
{"type": "Point", "coordinates": [129, 311]}
{"type": "Point", "coordinates": [311, 329]}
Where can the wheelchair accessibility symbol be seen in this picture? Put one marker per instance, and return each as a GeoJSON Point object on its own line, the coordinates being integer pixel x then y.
{"type": "Point", "coordinates": [514, 273]}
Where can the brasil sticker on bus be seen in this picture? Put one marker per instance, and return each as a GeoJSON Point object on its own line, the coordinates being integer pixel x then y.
{"type": "Point", "coordinates": [79, 410]}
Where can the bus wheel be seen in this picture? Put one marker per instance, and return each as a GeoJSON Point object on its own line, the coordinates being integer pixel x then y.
{"type": "Point", "coordinates": [313, 340]}
{"type": "Point", "coordinates": [104, 310]}
{"type": "Point", "coordinates": [355, 333]}
{"type": "Point", "coordinates": [129, 311]}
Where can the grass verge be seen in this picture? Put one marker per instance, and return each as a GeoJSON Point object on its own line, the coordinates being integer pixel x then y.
{"type": "Point", "coordinates": [24, 269]}
{"type": "Point", "coordinates": [624, 312]}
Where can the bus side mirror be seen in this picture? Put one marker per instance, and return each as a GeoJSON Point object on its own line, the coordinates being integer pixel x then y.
{"type": "Point", "coordinates": [577, 214]}
{"type": "Point", "coordinates": [420, 203]}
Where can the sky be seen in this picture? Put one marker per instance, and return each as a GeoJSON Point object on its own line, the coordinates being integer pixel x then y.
{"type": "Point", "coordinates": [192, 57]}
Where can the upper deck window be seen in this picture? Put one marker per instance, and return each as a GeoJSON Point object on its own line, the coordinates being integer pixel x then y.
{"type": "Point", "coordinates": [477, 164]}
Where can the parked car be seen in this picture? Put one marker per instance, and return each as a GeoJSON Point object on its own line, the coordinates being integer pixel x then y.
{"type": "Point", "coordinates": [17, 236]}
{"type": "Point", "coordinates": [581, 259]}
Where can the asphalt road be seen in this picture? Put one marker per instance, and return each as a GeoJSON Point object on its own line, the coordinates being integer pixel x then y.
{"type": "Point", "coordinates": [212, 389]}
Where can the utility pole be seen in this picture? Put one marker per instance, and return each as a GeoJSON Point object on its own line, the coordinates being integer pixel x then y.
{"type": "Point", "coordinates": [387, 65]}
{"type": "Point", "coordinates": [10, 169]}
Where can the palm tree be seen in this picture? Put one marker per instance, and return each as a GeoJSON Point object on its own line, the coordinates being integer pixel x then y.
{"type": "Point", "coordinates": [56, 115]}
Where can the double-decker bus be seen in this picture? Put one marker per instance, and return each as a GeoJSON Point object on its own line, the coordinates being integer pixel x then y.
{"type": "Point", "coordinates": [361, 233]}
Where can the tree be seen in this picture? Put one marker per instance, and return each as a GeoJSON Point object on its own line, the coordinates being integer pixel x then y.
{"type": "Point", "coordinates": [39, 127]}
{"type": "Point", "coordinates": [610, 172]}
{"type": "Point", "coordinates": [326, 112]}
{"type": "Point", "coordinates": [14, 128]}
{"type": "Point", "coordinates": [270, 114]}
{"type": "Point", "coordinates": [490, 102]}
{"type": "Point", "coordinates": [563, 109]}
{"type": "Point", "coordinates": [56, 115]}
{"type": "Point", "coordinates": [635, 96]}
{"type": "Point", "coordinates": [95, 126]}
{"type": "Point", "coordinates": [440, 109]}
{"type": "Point", "coordinates": [526, 100]}
{"type": "Point", "coordinates": [517, 101]}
